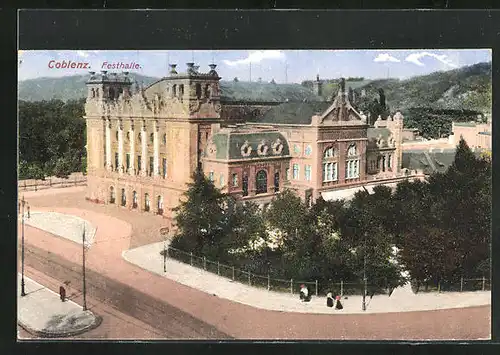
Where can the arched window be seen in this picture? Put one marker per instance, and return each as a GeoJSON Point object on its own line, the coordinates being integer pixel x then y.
{"type": "Point", "coordinates": [261, 182]}
{"type": "Point", "coordinates": [329, 153]}
{"type": "Point", "coordinates": [164, 140]}
{"type": "Point", "coordinates": [93, 92]}
{"type": "Point", "coordinates": [159, 204]}
{"type": "Point", "coordinates": [112, 196]}
{"type": "Point", "coordinates": [244, 183]}
{"type": "Point", "coordinates": [181, 91]}
{"type": "Point", "coordinates": [116, 135]}
{"type": "Point", "coordinates": [276, 182]}
{"type": "Point", "coordinates": [352, 150]}
{"type": "Point", "coordinates": [174, 90]}
{"type": "Point", "coordinates": [134, 199]}
{"type": "Point", "coordinates": [146, 202]}
{"type": "Point", "coordinates": [198, 91]}
{"type": "Point", "coordinates": [208, 91]}
{"type": "Point", "coordinates": [151, 138]}
{"type": "Point", "coordinates": [124, 198]}
{"type": "Point", "coordinates": [111, 93]}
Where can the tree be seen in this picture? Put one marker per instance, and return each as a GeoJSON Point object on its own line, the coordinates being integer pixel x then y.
{"type": "Point", "coordinates": [200, 217]}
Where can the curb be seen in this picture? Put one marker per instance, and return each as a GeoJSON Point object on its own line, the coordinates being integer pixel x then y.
{"type": "Point", "coordinates": [63, 334]}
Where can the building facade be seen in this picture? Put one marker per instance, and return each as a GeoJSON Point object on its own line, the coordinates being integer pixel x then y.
{"type": "Point", "coordinates": [145, 143]}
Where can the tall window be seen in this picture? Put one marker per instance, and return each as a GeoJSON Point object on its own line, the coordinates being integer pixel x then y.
{"type": "Point", "coordinates": [351, 152]}
{"type": "Point", "coordinates": [164, 167]}
{"type": "Point", "coordinates": [128, 161]}
{"type": "Point", "coordinates": [276, 182]}
{"type": "Point", "coordinates": [352, 169]}
{"type": "Point", "coordinates": [198, 91]}
{"type": "Point", "coordinates": [287, 174]}
{"type": "Point", "coordinates": [134, 199]}
{"type": "Point", "coordinates": [124, 198]}
{"type": "Point", "coordinates": [164, 140]}
{"type": "Point", "coordinates": [245, 185]}
{"type": "Point", "coordinates": [261, 182]}
{"type": "Point", "coordinates": [117, 166]}
{"type": "Point", "coordinates": [174, 90]}
{"type": "Point", "coordinates": [329, 172]}
{"type": "Point", "coordinates": [139, 165]}
{"type": "Point", "coordinates": [221, 180]}
{"type": "Point", "coordinates": [295, 171]}
{"type": "Point", "coordinates": [383, 162]}
{"type": "Point", "coordinates": [181, 91]}
{"type": "Point", "coordinates": [234, 179]}
{"type": "Point", "coordinates": [146, 202]}
{"type": "Point", "coordinates": [151, 165]}
{"type": "Point", "coordinates": [111, 194]}
{"type": "Point", "coordinates": [389, 161]}
{"type": "Point", "coordinates": [211, 176]}
{"type": "Point", "coordinates": [159, 204]}
{"type": "Point", "coordinates": [307, 172]}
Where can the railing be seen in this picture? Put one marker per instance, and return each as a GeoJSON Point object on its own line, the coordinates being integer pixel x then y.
{"type": "Point", "coordinates": [461, 285]}
{"type": "Point", "coordinates": [267, 282]}
{"type": "Point", "coordinates": [49, 182]}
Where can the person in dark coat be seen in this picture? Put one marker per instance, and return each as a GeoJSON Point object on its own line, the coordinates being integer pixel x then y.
{"type": "Point", "coordinates": [62, 293]}
{"type": "Point", "coordinates": [329, 300]}
{"type": "Point", "coordinates": [338, 304]}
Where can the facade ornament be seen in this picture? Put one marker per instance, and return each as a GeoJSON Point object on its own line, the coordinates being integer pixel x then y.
{"type": "Point", "coordinates": [217, 108]}
{"type": "Point", "coordinates": [262, 148]}
{"type": "Point", "coordinates": [277, 146]}
{"type": "Point", "coordinates": [212, 149]}
{"type": "Point", "coordinates": [246, 149]}
{"type": "Point", "coordinates": [194, 106]}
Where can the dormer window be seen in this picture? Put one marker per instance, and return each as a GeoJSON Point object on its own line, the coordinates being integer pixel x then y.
{"type": "Point", "coordinates": [352, 150]}
{"type": "Point", "coordinates": [329, 153]}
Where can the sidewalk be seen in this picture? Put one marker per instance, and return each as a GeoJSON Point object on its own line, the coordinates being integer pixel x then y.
{"type": "Point", "coordinates": [42, 313]}
{"type": "Point", "coordinates": [402, 300]}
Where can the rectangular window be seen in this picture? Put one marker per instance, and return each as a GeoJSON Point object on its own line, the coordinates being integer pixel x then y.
{"type": "Point", "coordinates": [139, 166]}
{"type": "Point", "coordinates": [287, 174]}
{"type": "Point", "coordinates": [211, 176]}
{"type": "Point", "coordinates": [151, 165]}
{"type": "Point", "coordinates": [235, 180]}
{"type": "Point", "coordinates": [389, 161]}
{"type": "Point", "coordinates": [295, 171]}
{"type": "Point", "coordinates": [307, 172]}
{"type": "Point", "coordinates": [221, 180]}
{"type": "Point", "coordinates": [128, 161]}
{"type": "Point", "coordinates": [329, 172]}
{"type": "Point", "coordinates": [164, 167]}
{"type": "Point", "coordinates": [117, 166]}
{"type": "Point", "coordinates": [352, 169]}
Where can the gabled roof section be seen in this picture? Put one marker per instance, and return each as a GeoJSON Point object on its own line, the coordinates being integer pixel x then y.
{"type": "Point", "coordinates": [293, 112]}
{"type": "Point", "coordinates": [341, 110]}
{"type": "Point", "coordinates": [245, 91]}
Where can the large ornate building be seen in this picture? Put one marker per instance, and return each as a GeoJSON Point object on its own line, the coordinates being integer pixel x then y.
{"type": "Point", "coordinates": [144, 143]}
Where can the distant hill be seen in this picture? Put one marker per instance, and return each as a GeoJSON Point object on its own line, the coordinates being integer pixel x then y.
{"type": "Point", "coordinates": [63, 88]}
{"type": "Point", "coordinates": [464, 88]}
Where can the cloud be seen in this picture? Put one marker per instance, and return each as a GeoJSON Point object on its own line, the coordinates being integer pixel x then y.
{"type": "Point", "coordinates": [386, 57]}
{"type": "Point", "coordinates": [257, 57]}
{"type": "Point", "coordinates": [415, 59]}
{"type": "Point", "coordinates": [86, 54]}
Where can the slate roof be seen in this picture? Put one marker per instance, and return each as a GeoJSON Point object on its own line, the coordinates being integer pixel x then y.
{"type": "Point", "coordinates": [429, 162]}
{"type": "Point", "coordinates": [229, 143]}
{"type": "Point", "coordinates": [294, 112]}
{"type": "Point", "coordinates": [245, 91]}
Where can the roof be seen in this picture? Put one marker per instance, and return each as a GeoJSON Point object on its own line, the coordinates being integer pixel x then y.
{"type": "Point", "coordinates": [245, 91]}
{"type": "Point", "coordinates": [104, 77]}
{"type": "Point", "coordinates": [430, 162]}
{"type": "Point", "coordinates": [374, 133]}
{"type": "Point", "coordinates": [294, 112]}
{"type": "Point", "coordinates": [230, 145]}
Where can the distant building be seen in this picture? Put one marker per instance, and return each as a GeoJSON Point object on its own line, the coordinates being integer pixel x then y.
{"type": "Point", "coordinates": [477, 135]}
{"type": "Point", "coordinates": [251, 139]}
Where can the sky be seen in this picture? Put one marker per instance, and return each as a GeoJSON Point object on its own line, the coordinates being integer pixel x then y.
{"type": "Point", "coordinates": [284, 66]}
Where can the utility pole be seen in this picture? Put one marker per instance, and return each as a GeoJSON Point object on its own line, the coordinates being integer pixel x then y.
{"type": "Point", "coordinates": [23, 293]}
{"type": "Point", "coordinates": [84, 281]}
{"type": "Point", "coordinates": [363, 305]}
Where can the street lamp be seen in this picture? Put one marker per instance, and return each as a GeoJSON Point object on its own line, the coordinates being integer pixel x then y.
{"type": "Point", "coordinates": [363, 305]}
{"type": "Point", "coordinates": [23, 293]}
{"type": "Point", "coordinates": [164, 233]}
{"type": "Point", "coordinates": [83, 266]}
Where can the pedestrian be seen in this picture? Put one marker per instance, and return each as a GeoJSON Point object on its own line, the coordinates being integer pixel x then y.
{"type": "Point", "coordinates": [329, 299]}
{"type": "Point", "coordinates": [338, 304]}
{"type": "Point", "coordinates": [62, 293]}
{"type": "Point", "coordinates": [302, 292]}
{"type": "Point", "coordinates": [28, 211]}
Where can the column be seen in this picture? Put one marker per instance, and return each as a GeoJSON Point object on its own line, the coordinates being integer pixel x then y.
{"type": "Point", "coordinates": [132, 149]}
{"type": "Point", "coordinates": [120, 146]}
{"type": "Point", "coordinates": [145, 160]}
{"type": "Point", "coordinates": [108, 145]}
{"type": "Point", "coordinates": [156, 149]}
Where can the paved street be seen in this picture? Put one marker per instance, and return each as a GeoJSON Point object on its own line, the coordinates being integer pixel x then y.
{"type": "Point", "coordinates": [185, 312]}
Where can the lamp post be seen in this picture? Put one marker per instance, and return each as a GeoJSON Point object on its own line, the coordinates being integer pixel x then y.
{"type": "Point", "coordinates": [83, 271]}
{"type": "Point", "coordinates": [23, 293]}
{"type": "Point", "coordinates": [363, 305]}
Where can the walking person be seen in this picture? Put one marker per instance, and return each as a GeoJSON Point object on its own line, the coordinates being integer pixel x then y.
{"type": "Point", "coordinates": [62, 293]}
{"type": "Point", "coordinates": [329, 300]}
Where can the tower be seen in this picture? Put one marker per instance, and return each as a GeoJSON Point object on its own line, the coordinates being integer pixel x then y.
{"type": "Point", "coordinates": [318, 86]}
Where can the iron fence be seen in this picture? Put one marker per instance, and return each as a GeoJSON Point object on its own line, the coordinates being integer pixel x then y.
{"type": "Point", "coordinates": [35, 184]}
